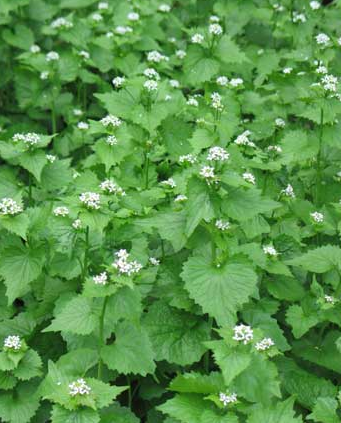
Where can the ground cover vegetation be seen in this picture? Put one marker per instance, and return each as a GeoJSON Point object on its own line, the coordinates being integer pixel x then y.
{"type": "Point", "coordinates": [170, 188]}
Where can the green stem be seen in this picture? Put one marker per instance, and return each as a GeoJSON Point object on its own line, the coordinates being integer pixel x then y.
{"type": "Point", "coordinates": [101, 341]}
{"type": "Point", "coordinates": [53, 118]}
{"type": "Point", "coordinates": [146, 167]}
{"type": "Point", "coordinates": [86, 254]}
{"type": "Point", "coordinates": [319, 162]}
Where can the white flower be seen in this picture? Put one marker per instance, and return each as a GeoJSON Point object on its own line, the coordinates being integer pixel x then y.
{"type": "Point", "coordinates": [103, 5]}
{"type": "Point", "coordinates": [315, 5]}
{"type": "Point", "coordinates": [61, 211]}
{"type": "Point", "coordinates": [123, 265]}
{"type": "Point", "coordinates": [217, 154]}
{"type": "Point", "coordinates": [97, 17]}
{"type": "Point", "coordinates": [121, 30]}
{"type": "Point", "coordinates": [118, 81]}
{"type": "Point", "coordinates": [154, 261]}
{"type": "Point", "coordinates": [243, 139]}
{"type": "Point", "coordinates": [329, 299]}
{"type": "Point", "coordinates": [321, 69]}
{"type": "Point", "coordinates": [82, 125]}
{"type": "Point", "coordinates": [216, 101]}
{"type": "Point", "coordinates": [275, 148]}
{"type": "Point", "coordinates": [264, 344]}
{"type": "Point", "coordinates": [222, 81]}
{"type": "Point", "coordinates": [91, 200]}
{"type": "Point", "coordinates": [168, 97]}
{"type": "Point", "coordinates": [156, 57]}
{"type": "Point", "coordinates": [61, 23]}
{"type": "Point", "coordinates": [111, 140]}
{"type": "Point", "coordinates": [243, 333]}
{"type": "Point", "coordinates": [222, 225]}
{"type": "Point", "coordinates": [100, 279]}
{"type": "Point", "coordinates": [280, 122]}
{"type": "Point", "coordinates": [215, 29]}
{"type": "Point", "coordinates": [278, 7]}
{"type": "Point", "coordinates": [111, 120]}
{"type": "Point", "coordinates": [165, 8]}
{"type": "Point", "coordinates": [170, 182]}
{"type": "Point", "coordinates": [8, 206]}
{"type": "Point", "coordinates": [288, 191]}
{"type": "Point", "coordinates": [270, 250]}
{"type": "Point", "coordinates": [249, 177]}
{"type": "Point", "coordinates": [111, 187]}
{"type": "Point", "coordinates": [77, 112]}
{"type": "Point", "coordinates": [207, 172]}
{"type": "Point", "coordinates": [75, 174]}
{"type": "Point", "coordinates": [12, 342]}
{"type": "Point", "coordinates": [299, 17]}
{"type": "Point", "coordinates": [180, 54]}
{"type": "Point", "coordinates": [329, 83]}
{"type": "Point", "coordinates": [34, 48]}
{"type": "Point", "coordinates": [84, 54]}
{"type": "Point", "coordinates": [187, 158]}
{"type": "Point", "coordinates": [317, 217]}
{"type": "Point", "coordinates": [79, 387]}
{"type": "Point", "coordinates": [51, 56]}
{"type": "Point", "coordinates": [235, 82]}
{"type": "Point", "coordinates": [192, 102]}
{"type": "Point", "coordinates": [133, 16]}
{"type": "Point", "coordinates": [174, 83]}
{"type": "Point", "coordinates": [339, 41]}
{"type": "Point", "coordinates": [109, 34]}
{"type": "Point", "coordinates": [197, 39]}
{"type": "Point", "coordinates": [30, 138]}
{"type": "Point", "coordinates": [151, 74]}
{"type": "Point", "coordinates": [227, 399]}
{"type": "Point", "coordinates": [322, 39]}
{"type": "Point", "coordinates": [180, 198]}
{"type": "Point", "coordinates": [287, 70]}
{"type": "Point", "coordinates": [150, 85]}
{"type": "Point", "coordinates": [51, 158]}
{"type": "Point", "coordinates": [77, 224]}
{"type": "Point", "coordinates": [214, 18]}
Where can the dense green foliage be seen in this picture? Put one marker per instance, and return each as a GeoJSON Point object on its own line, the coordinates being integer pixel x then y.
{"type": "Point", "coordinates": [170, 212]}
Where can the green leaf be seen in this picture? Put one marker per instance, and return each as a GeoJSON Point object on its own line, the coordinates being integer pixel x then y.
{"type": "Point", "coordinates": [85, 415]}
{"type": "Point", "coordinates": [21, 407]}
{"type": "Point", "coordinates": [324, 411]}
{"type": "Point", "coordinates": [16, 224]}
{"type": "Point", "coordinates": [282, 412]}
{"type": "Point", "coordinates": [77, 316]}
{"type": "Point", "coordinates": [219, 291]}
{"type": "Point", "coordinates": [176, 336]}
{"type": "Point", "coordinates": [116, 413]}
{"type": "Point", "coordinates": [198, 383]}
{"type": "Point", "coordinates": [229, 52]}
{"type": "Point", "coordinates": [33, 161]}
{"type": "Point", "coordinates": [29, 366]}
{"type": "Point", "coordinates": [20, 265]}
{"type": "Point", "coordinates": [300, 321]}
{"type": "Point", "coordinates": [319, 260]}
{"type": "Point", "coordinates": [131, 352]}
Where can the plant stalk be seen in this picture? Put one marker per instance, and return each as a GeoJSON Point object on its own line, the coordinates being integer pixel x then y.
{"type": "Point", "coordinates": [101, 341]}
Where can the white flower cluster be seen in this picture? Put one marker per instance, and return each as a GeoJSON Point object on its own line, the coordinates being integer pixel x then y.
{"type": "Point", "coordinates": [151, 73]}
{"type": "Point", "coordinates": [156, 57]}
{"type": "Point", "coordinates": [243, 333]}
{"type": "Point", "coordinates": [192, 102]}
{"type": "Point", "coordinates": [150, 85]}
{"type": "Point", "coordinates": [30, 138]}
{"type": "Point", "coordinates": [329, 299]}
{"type": "Point", "coordinates": [322, 39]}
{"type": "Point", "coordinates": [111, 120]}
{"type": "Point", "coordinates": [197, 39]}
{"type": "Point", "coordinates": [118, 81]}
{"type": "Point", "coordinates": [217, 154]}
{"type": "Point", "coordinates": [214, 18]}
{"type": "Point", "coordinates": [321, 69]}
{"type": "Point", "coordinates": [264, 344]}
{"type": "Point", "coordinates": [317, 217]}
{"type": "Point", "coordinates": [112, 187]}
{"type": "Point", "coordinates": [103, 5]}
{"type": "Point", "coordinates": [12, 342]}
{"type": "Point", "coordinates": [215, 29]}
{"type": "Point", "coordinates": [51, 158]}
{"type": "Point", "coordinates": [299, 17]}
{"type": "Point", "coordinates": [180, 198]}
{"type": "Point", "coordinates": [329, 83]}
{"type": "Point", "coordinates": [278, 7]}
{"type": "Point", "coordinates": [101, 279]}
{"type": "Point", "coordinates": [34, 48]}
{"type": "Point", "coordinates": [8, 206]}
{"type": "Point", "coordinates": [207, 172]}
{"type": "Point", "coordinates": [275, 148]}
{"type": "Point", "coordinates": [61, 23]}
{"type": "Point", "coordinates": [77, 224]}
{"type": "Point", "coordinates": [165, 8]}
{"type": "Point", "coordinates": [236, 82]}
{"type": "Point", "coordinates": [154, 261]}
{"type": "Point", "coordinates": [270, 250]}
{"type": "Point", "coordinates": [85, 54]}
{"type": "Point", "coordinates": [122, 30]}
{"type": "Point", "coordinates": [222, 81]}
{"type": "Point", "coordinates": [187, 158]}
{"type": "Point", "coordinates": [243, 139]}
{"type": "Point", "coordinates": [61, 211]}
{"type": "Point", "coordinates": [249, 177]}
{"type": "Point", "coordinates": [280, 123]}
{"type": "Point", "coordinates": [216, 102]}
{"type": "Point", "coordinates": [52, 56]}
{"type": "Point", "coordinates": [82, 125]}
{"type": "Point", "coordinates": [222, 225]}
{"type": "Point", "coordinates": [315, 5]}
{"type": "Point", "coordinates": [169, 182]}
{"type": "Point", "coordinates": [91, 200]}
{"type": "Point", "coordinates": [174, 83]}
{"type": "Point", "coordinates": [287, 70]}
{"type": "Point", "coordinates": [44, 75]}
{"type": "Point", "coordinates": [227, 399]}
{"type": "Point", "coordinates": [123, 265]}
{"type": "Point", "coordinates": [288, 191]}
{"type": "Point", "coordinates": [79, 387]}
{"type": "Point", "coordinates": [133, 16]}
{"type": "Point", "coordinates": [111, 140]}
{"type": "Point", "coordinates": [180, 54]}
